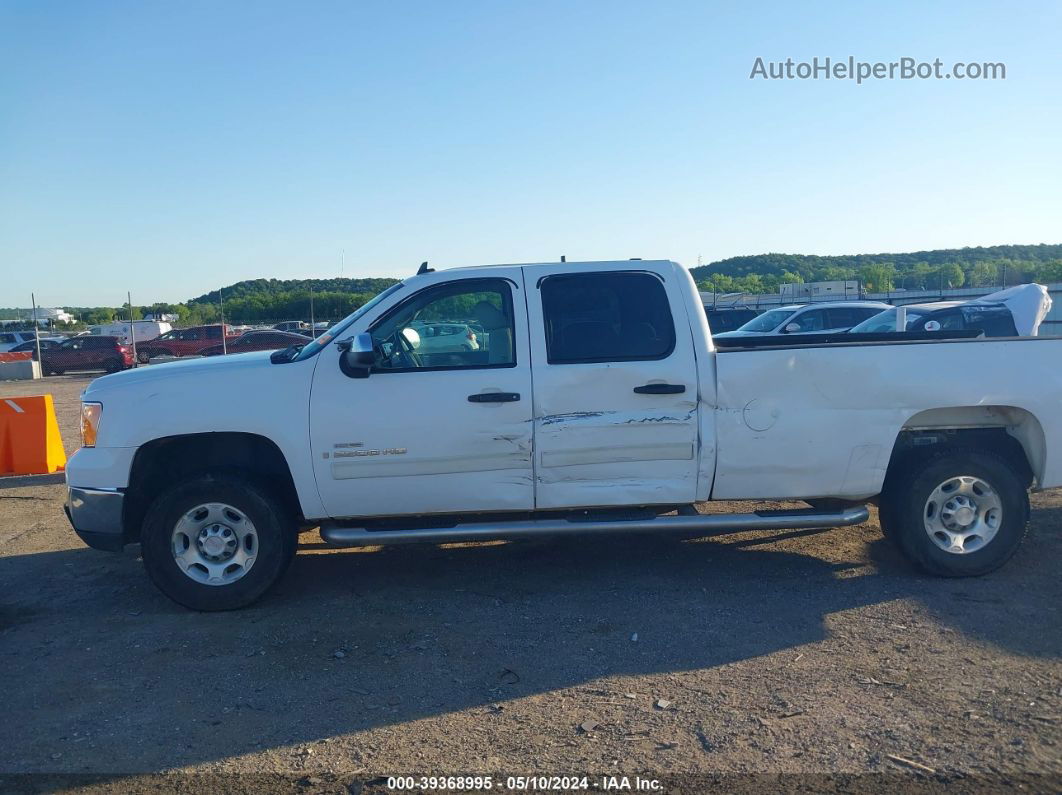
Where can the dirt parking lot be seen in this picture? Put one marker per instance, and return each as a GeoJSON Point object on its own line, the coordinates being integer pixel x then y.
{"type": "Point", "coordinates": [803, 654]}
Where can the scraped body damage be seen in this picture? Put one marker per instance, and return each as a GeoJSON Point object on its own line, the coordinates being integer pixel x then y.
{"type": "Point", "coordinates": [638, 455]}
{"type": "Point", "coordinates": [598, 442]}
{"type": "Point", "coordinates": [822, 421]}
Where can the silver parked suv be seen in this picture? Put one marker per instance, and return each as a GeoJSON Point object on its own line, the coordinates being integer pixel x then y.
{"type": "Point", "coordinates": [818, 318]}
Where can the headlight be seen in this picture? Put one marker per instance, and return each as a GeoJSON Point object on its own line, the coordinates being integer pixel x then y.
{"type": "Point", "coordinates": [90, 422]}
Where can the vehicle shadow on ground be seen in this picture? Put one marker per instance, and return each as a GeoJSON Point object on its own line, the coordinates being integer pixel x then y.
{"type": "Point", "coordinates": [355, 640]}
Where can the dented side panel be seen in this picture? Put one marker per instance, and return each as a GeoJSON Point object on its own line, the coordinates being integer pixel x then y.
{"type": "Point", "coordinates": [822, 422]}
{"type": "Point", "coordinates": [597, 441]}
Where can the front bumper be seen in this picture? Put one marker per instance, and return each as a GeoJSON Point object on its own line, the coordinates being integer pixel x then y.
{"type": "Point", "coordinates": [96, 516]}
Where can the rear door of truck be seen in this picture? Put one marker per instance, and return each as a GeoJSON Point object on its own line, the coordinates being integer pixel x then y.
{"type": "Point", "coordinates": [615, 385]}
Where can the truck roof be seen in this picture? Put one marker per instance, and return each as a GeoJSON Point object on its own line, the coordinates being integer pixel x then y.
{"type": "Point", "coordinates": [626, 264]}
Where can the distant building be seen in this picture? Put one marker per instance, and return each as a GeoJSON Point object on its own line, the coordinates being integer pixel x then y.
{"type": "Point", "coordinates": [162, 317]}
{"type": "Point", "coordinates": [820, 291]}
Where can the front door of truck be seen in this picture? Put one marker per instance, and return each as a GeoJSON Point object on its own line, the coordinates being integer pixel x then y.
{"type": "Point", "coordinates": [433, 429]}
{"type": "Point", "coordinates": [616, 389]}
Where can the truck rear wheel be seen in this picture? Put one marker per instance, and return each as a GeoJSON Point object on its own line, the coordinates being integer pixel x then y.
{"type": "Point", "coordinates": [216, 542]}
{"type": "Point", "coordinates": [960, 513]}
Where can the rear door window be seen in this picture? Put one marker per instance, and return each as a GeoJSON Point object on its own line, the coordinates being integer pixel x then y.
{"type": "Point", "coordinates": [606, 317]}
{"type": "Point", "coordinates": [993, 321]}
{"type": "Point", "coordinates": [947, 320]}
{"type": "Point", "coordinates": [812, 320]}
{"type": "Point", "coordinates": [848, 316]}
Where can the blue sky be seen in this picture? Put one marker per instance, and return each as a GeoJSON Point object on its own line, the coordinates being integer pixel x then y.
{"type": "Point", "coordinates": [169, 148]}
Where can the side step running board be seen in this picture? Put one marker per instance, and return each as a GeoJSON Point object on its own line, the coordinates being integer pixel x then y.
{"type": "Point", "coordinates": [698, 525]}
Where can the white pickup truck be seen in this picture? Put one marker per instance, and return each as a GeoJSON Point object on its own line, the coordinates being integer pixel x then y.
{"type": "Point", "coordinates": [595, 402]}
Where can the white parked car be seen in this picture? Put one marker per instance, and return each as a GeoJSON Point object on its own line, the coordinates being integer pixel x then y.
{"type": "Point", "coordinates": [1015, 311]}
{"type": "Point", "coordinates": [819, 318]}
{"type": "Point", "coordinates": [601, 405]}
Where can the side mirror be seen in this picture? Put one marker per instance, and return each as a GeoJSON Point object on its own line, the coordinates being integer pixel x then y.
{"type": "Point", "coordinates": [791, 327]}
{"type": "Point", "coordinates": [356, 356]}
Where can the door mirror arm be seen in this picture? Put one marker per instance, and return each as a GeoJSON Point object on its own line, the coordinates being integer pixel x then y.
{"type": "Point", "coordinates": [356, 355]}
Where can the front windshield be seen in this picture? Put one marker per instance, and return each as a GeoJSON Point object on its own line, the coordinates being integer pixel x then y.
{"type": "Point", "coordinates": [311, 348]}
{"type": "Point", "coordinates": [885, 321]}
{"type": "Point", "coordinates": [768, 321]}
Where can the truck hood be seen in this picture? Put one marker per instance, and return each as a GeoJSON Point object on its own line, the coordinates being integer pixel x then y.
{"type": "Point", "coordinates": [188, 370]}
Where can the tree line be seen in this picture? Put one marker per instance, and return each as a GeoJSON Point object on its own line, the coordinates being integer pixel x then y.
{"type": "Point", "coordinates": [271, 300]}
{"type": "Point", "coordinates": [920, 270]}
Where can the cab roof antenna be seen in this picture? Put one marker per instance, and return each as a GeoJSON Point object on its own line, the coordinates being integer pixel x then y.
{"type": "Point", "coordinates": [424, 268]}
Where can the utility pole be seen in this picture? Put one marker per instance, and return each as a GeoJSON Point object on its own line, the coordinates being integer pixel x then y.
{"type": "Point", "coordinates": [311, 308]}
{"type": "Point", "coordinates": [342, 261]}
{"type": "Point", "coordinates": [132, 328]}
{"type": "Point", "coordinates": [224, 342]}
{"type": "Point", "coordinates": [36, 332]}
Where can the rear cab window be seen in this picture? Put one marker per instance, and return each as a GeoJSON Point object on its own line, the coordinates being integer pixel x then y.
{"type": "Point", "coordinates": [606, 317]}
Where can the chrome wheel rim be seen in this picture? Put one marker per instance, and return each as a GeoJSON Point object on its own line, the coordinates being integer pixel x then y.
{"type": "Point", "coordinates": [963, 514]}
{"type": "Point", "coordinates": [214, 544]}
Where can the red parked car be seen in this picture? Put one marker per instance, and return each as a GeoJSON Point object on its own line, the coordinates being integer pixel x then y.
{"type": "Point", "coordinates": [257, 341]}
{"type": "Point", "coordinates": [184, 342]}
{"type": "Point", "coordinates": [87, 352]}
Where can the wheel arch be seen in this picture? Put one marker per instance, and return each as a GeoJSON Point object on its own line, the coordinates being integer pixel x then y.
{"type": "Point", "coordinates": [1010, 431]}
{"type": "Point", "coordinates": [162, 462]}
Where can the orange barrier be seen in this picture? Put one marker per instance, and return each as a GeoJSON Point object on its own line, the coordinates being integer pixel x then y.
{"type": "Point", "coordinates": [29, 436]}
{"type": "Point", "coordinates": [16, 357]}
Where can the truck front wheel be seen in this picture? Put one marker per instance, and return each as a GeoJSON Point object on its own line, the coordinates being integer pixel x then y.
{"type": "Point", "coordinates": [960, 513]}
{"type": "Point", "coordinates": [216, 542]}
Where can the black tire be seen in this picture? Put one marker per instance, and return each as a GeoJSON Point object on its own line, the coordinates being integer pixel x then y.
{"type": "Point", "coordinates": [277, 538]}
{"type": "Point", "coordinates": [904, 508]}
{"type": "Point", "coordinates": [143, 357]}
{"type": "Point", "coordinates": [56, 371]}
{"type": "Point", "coordinates": [113, 365]}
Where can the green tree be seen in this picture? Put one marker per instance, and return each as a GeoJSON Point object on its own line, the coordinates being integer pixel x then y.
{"type": "Point", "coordinates": [984, 274]}
{"type": "Point", "coordinates": [949, 276]}
{"type": "Point", "coordinates": [878, 278]}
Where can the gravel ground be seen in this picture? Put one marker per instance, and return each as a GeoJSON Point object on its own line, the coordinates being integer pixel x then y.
{"type": "Point", "coordinates": [800, 654]}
